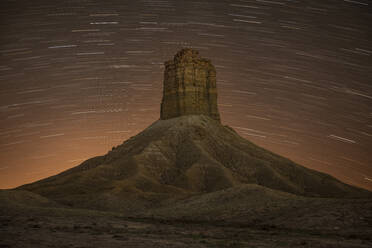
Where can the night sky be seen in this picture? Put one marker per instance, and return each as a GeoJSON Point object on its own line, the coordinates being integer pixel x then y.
{"type": "Point", "coordinates": [81, 76]}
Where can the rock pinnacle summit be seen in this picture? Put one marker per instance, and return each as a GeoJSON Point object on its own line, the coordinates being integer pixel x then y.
{"type": "Point", "coordinates": [189, 86]}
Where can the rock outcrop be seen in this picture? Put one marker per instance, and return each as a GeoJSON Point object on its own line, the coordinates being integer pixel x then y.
{"type": "Point", "coordinates": [191, 158]}
{"type": "Point", "coordinates": [189, 86]}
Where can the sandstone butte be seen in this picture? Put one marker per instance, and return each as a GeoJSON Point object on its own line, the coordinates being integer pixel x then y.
{"type": "Point", "coordinates": [188, 164]}
{"type": "Point", "coordinates": [189, 86]}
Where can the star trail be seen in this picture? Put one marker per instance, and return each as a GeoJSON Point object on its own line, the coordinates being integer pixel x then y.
{"type": "Point", "coordinates": [79, 77]}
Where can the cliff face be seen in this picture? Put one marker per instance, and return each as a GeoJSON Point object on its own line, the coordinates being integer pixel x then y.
{"type": "Point", "coordinates": [189, 86]}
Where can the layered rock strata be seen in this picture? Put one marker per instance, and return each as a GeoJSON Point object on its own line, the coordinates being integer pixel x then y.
{"type": "Point", "coordinates": [189, 86]}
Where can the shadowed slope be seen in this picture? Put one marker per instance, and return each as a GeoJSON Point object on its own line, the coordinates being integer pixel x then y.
{"type": "Point", "coordinates": [178, 158]}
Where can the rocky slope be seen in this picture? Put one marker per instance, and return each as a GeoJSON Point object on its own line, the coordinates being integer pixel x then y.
{"type": "Point", "coordinates": [178, 158]}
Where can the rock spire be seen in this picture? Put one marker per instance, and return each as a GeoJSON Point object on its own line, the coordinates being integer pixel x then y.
{"type": "Point", "coordinates": [189, 86]}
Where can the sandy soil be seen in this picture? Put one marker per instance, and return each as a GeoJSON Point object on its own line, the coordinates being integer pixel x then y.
{"type": "Point", "coordinates": [99, 230]}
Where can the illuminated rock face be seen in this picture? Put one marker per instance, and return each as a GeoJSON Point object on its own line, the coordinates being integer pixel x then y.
{"type": "Point", "coordinates": [189, 86]}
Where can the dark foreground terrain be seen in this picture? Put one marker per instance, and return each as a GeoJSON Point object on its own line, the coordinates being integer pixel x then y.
{"type": "Point", "coordinates": [55, 230]}
{"type": "Point", "coordinates": [299, 223]}
{"type": "Point", "coordinates": [111, 231]}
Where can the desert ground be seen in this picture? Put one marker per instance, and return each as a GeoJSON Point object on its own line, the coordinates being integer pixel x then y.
{"type": "Point", "coordinates": [304, 223]}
